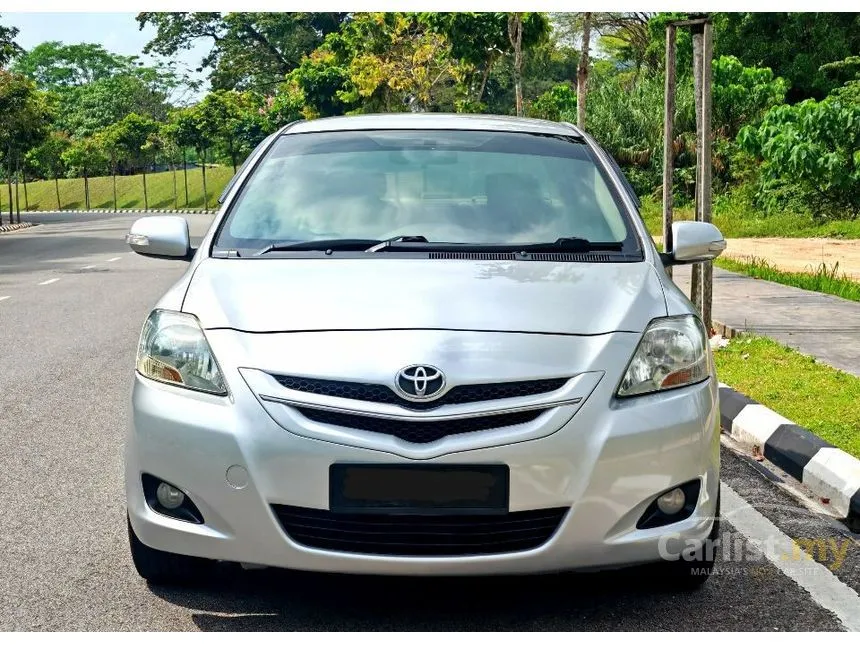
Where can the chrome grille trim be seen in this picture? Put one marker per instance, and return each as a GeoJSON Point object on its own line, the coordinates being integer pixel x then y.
{"type": "Point", "coordinates": [406, 415]}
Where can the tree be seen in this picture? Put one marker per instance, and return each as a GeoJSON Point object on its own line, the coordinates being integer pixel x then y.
{"type": "Point", "coordinates": [108, 140]}
{"type": "Point", "coordinates": [480, 39]}
{"type": "Point", "coordinates": [84, 157]}
{"type": "Point", "coordinates": [249, 49]}
{"type": "Point", "coordinates": [8, 47]}
{"type": "Point", "coordinates": [582, 69]}
{"type": "Point", "coordinates": [26, 115]}
{"type": "Point", "coordinates": [624, 34]}
{"type": "Point", "coordinates": [515, 33]}
{"type": "Point", "coordinates": [233, 118]}
{"type": "Point", "coordinates": [312, 90]}
{"type": "Point", "coordinates": [47, 160]}
{"type": "Point", "coordinates": [83, 110]}
{"type": "Point", "coordinates": [793, 45]}
{"type": "Point", "coordinates": [190, 131]}
{"type": "Point", "coordinates": [167, 135]}
{"type": "Point", "coordinates": [132, 137]}
{"type": "Point", "coordinates": [55, 66]}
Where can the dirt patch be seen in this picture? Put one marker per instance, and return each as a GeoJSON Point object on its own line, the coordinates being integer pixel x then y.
{"type": "Point", "coordinates": [795, 254]}
{"type": "Point", "coordinates": [799, 254]}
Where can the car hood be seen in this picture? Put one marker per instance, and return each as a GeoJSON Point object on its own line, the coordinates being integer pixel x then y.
{"type": "Point", "coordinates": [289, 295]}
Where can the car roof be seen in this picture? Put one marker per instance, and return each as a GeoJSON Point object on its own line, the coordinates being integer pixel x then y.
{"type": "Point", "coordinates": [432, 121]}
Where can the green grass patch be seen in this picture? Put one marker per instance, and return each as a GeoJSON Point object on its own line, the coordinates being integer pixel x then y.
{"type": "Point", "coordinates": [735, 218]}
{"type": "Point", "coordinates": [42, 195]}
{"type": "Point", "coordinates": [809, 393]}
{"type": "Point", "coordinates": [823, 279]}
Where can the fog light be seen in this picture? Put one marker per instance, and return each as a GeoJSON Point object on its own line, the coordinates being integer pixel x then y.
{"type": "Point", "coordinates": [668, 503]}
{"type": "Point", "coordinates": [171, 498]}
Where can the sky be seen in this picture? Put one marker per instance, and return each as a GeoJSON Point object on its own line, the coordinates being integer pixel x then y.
{"type": "Point", "coordinates": [116, 32]}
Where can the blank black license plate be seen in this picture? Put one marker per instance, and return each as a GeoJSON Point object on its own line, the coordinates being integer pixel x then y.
{"type": "Point", "coordinates": [418, 488]}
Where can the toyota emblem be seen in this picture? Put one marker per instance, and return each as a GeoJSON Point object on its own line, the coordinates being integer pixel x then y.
{"type": "Point", "coordinates": [420, 382]}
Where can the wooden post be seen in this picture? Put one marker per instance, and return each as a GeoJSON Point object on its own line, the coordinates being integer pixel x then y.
{"type": "Point", "coordinates": [696, 270]}
{"type": "Point", "coordinates": [668, 136]}
{"type": "Point", "coordinates": [705, 183]}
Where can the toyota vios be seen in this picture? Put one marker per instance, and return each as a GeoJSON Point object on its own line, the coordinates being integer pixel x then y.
{"type": "Point", "coordinates": [427, 345]}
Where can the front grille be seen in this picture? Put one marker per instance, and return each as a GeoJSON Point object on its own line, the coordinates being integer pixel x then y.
{"type": "Point", "coordinates": [418, 431]}
{"type": "Point", "coordinates": [419, 535]}
{"type": "Point", "coordinates": [378, 393]}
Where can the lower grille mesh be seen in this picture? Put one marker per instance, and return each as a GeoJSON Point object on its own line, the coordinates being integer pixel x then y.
{"type": "Point", "coordinates": [419, 535]}
{"type": "Point", "coordinates": [418, 431]}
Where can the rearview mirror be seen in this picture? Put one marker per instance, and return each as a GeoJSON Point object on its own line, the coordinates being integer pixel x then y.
{"type": "Point", "coordinates": [160, 236]}
{"type": "Point", "coordinates": [694, 242]}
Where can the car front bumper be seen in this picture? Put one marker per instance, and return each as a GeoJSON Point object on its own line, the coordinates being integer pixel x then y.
{"type": "Point", "coordinates": [607, 464]}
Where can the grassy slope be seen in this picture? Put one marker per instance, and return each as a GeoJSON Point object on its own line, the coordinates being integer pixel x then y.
{"type": "Point", "coordinates": [733, 220]}
{"type": "Point", "coordinates": [42, 195]}
{"type": "Point", "coordinates": [813, 395]}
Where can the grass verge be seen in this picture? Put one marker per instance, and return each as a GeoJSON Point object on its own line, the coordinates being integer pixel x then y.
{"type": "Point", "coordinates": [734, 219]}
{"type": "Point", "coordinates": [823, 279]}
{"type": "Point", "coordinates": [811, 394]}
{"type": "Point", "coordinates": [42, 195]}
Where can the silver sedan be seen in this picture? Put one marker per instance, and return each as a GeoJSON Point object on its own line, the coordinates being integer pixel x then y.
{"type": "Point", "coordinates": [424, 345]}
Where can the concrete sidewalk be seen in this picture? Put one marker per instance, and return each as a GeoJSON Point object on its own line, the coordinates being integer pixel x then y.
{"type": "Point", "coordinates": [816, 324]}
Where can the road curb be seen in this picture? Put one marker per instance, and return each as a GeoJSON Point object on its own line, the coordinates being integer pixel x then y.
{"type": "Point", "coordinates": [130, 211]}
{"type": "Point", "coordinates": [8, 228]}
{"type": "Point", "coordinates": [827, 471]}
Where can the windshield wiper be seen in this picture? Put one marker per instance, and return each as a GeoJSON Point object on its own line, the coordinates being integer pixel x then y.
{"type": "Point", "coordinates": [561, 245]}
{"type": "Point", "coordinates": [420, 243]}
{"type": "Point", "coordinates": [400, 239]}
{"type": "Point", "coordinates": [570, 245]}
{"type": "Point", "coordinates": [341, 244]}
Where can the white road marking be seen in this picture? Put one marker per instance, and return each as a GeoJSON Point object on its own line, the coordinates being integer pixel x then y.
{"type": "Point", "coordinates": [5, 297]}
{"type": "Point", "coordinates": [826, 589]}
{"type": "Point", "coordinates": [48, 281]}
{"type": "Point", "coordinates": [114, 259]}
{"type": "Point", "coordinates": [89, 266]}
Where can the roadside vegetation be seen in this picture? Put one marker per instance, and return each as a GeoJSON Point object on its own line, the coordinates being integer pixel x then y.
{"type": "Point", "coordinates": [42, 195]}
{"type": "Point", "coordinates": [736, 217]}
{"type": "Point", "coordinates": [809, 393]}
{"type": "Point", "coordinates": [823, 278]}
{"type": "Point", "coordinates": [786, 98]}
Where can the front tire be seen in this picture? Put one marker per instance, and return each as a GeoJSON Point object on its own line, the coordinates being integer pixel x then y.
{"type": "Point", "coordinates": [163, 568]}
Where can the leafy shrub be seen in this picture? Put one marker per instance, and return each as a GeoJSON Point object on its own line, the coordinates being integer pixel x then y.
{"type": "Point", "coordinates": [742, 95]}
{"type": "Point", "coordinates": [814, 146]}
{"type": "Point", "coordinates": [559, 100]}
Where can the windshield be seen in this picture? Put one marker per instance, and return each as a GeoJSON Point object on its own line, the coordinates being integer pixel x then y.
{"type": "Point", "coordinates": [457, 186]}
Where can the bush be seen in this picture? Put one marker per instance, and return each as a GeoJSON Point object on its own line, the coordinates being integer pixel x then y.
{"type": "Point", "coordinates": [559, 100]}
{"type": "Point", "coordinates": [814, 147]}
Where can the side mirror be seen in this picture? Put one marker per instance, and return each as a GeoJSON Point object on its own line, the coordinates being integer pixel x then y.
{"type": "Point", "coordinates": [163, 236]}
{"type": "Point", "coordinates": [694, 242]}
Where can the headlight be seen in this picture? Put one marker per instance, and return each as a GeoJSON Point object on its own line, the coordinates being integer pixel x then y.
{"type": "Point", "coordinates": [672, 353]}
{"type": "Point", "coordinates": [173, 350]}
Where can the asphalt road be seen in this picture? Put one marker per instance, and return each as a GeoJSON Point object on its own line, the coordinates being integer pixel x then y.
{"type": "Point", "coordinates": [72, 300]}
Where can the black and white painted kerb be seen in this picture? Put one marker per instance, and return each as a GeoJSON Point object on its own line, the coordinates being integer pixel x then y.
{"type": "Point", "coordinates": [8, 228]}
{"type": "Point", "coordinates": [132, 211]}
{"type": "Point", "coordinates": [827, 471]}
